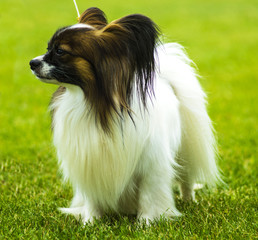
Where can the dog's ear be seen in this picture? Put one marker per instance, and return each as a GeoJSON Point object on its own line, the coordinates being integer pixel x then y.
{"type": "Point", "coordinates": [123, 59]}
{"type": "Point", "coordinates": [94, 17]}
{"type": "Point", "coordinates": [130, 44]}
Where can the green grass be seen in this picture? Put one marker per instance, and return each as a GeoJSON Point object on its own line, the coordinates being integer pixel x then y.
{"type": "Point", "coordinates": [220, 36]}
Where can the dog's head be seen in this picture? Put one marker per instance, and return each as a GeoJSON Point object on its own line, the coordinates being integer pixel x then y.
{"type": "Point", "coordinates": [104, 60]}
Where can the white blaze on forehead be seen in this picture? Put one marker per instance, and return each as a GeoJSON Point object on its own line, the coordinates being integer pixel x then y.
{"type": "Point", "coordinates": [76, 26]}
{"type": "Point", "coordinates": [81, 25]}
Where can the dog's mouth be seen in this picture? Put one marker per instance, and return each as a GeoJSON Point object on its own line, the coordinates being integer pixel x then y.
{"type": "Point", "coordinates": [41, 76]}
{"type": "Point", "coordinates": [45, 79]}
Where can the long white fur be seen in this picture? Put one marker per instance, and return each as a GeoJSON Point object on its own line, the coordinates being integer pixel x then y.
{"type": "Point", "coordinates": [132, 171]}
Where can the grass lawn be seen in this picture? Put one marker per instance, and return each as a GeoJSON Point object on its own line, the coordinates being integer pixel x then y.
{"type": "Point", "coordinates": [221, 36]}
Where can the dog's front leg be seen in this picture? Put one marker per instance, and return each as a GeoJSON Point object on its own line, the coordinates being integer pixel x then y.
{"type": "Point", "coordinates": [155, 194]}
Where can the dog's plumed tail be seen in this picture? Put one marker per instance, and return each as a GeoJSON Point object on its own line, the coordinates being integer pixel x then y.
{"type": "Point", "coordinates": [198, 147]}
{"type": "Point", "coordinates": [197, 154]}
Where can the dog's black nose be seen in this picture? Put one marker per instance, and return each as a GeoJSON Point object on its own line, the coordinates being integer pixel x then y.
{"type": "Point", "coordinates": [34, 63]}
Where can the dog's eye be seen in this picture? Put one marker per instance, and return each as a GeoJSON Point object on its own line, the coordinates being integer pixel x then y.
{"type": "Point", "coordinates": [60, 52]}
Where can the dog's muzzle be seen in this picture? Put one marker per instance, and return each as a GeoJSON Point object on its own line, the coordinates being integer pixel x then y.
{"type": "Point", "coordinates": [41, 69]}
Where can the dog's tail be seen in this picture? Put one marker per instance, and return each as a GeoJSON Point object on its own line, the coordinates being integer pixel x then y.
{"type": "Point", "coordinates": [198, 149]}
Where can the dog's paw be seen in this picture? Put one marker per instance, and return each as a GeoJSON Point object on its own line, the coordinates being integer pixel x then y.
{"type": "Point", "coordinates": [75, 211]}
{"type": "Point", "coordinates": [148, 218]}
{"type": "Point", "coordinates": [145, 219]}
{"type": "Point", "coordinates": [198, 186]}
{"type": "Point", "coordinates": [82, 213]}
{"type": "Point", "coordinates": [90, 219]}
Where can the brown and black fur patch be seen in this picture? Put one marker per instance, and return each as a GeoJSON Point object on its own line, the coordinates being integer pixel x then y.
{"type": "Point", "coordinates": [107, 61]}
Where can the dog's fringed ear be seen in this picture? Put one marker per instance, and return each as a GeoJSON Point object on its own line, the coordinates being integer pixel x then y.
{"type": "Point", "coordinates": [123, 59]}
{"type": "Point", "coordinates": [133, 39]}
{"type": "Point", "coordinates": [94, 17]}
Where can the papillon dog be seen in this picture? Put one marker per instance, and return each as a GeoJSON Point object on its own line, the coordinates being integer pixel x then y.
{"type": "Point", "coordinates": [129, 118]}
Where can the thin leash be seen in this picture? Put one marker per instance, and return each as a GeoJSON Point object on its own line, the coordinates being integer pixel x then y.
{"type": "Point", "coordinates": [76, 7]}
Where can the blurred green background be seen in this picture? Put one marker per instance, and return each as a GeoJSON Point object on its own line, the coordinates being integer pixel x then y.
{"type": "Point", "coordinates": [221, 36]}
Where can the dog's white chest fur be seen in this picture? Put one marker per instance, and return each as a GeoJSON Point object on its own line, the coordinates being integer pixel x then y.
{"type": "Point", "coordinates": [98, 164]}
